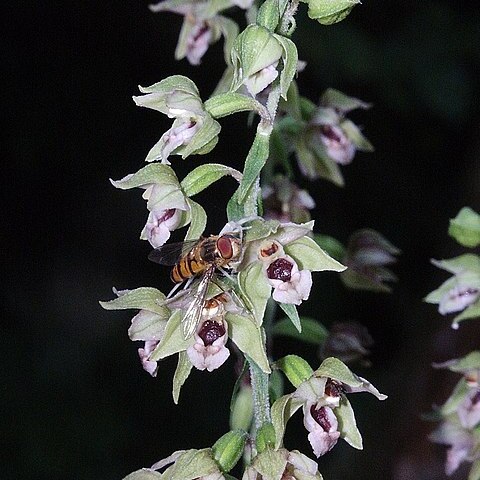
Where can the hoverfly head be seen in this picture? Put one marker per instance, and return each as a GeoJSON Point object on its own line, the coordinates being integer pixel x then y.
{"type": "Point", "coordinates": [229, 247]}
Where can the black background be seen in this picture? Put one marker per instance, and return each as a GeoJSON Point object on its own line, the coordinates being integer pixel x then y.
{"type": "Point", "coordinates": [76, 402]}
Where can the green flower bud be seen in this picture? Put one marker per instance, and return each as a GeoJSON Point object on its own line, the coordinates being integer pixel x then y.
{"type": "Point", "coordinates": [242, 409]}
{"type": "Point", "coordinates": [265, 437]}
{"type": "Point", "coordinates": [465, 228]}
{"type": "Point", "coordinates": [328, 12]}
{"type": "Point", "coordinates": [296, 369]}
{"type": "Point", "coordinates": [228, 449]}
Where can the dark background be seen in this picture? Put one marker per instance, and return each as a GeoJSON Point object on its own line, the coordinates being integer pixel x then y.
{"type": "Point", "coordinates": [75, 401]}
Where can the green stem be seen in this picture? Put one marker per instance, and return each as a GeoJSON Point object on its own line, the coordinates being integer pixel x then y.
{"type": "Point", "coordinates": [261, 401]}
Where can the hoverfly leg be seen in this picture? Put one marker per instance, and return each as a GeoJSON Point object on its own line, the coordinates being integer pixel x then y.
{"type": "Point", "coordinates": [174, 289]}
{"type": "Point", "coordinates": [225, 273]}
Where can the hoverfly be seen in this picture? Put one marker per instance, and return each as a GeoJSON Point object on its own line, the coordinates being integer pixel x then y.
{"type": "Point", "coordinates": [198, 259]}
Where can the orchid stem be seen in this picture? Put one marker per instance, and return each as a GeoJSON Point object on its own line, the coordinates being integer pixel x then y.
{"type": "Point", "coordinates": [261, 401]}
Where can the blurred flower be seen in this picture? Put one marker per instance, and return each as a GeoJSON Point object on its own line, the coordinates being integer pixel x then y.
{"type": "Point", "coordinates": [469, 410]}
{"type": "Point", "coordinates": [166, 201]}
{"type": "Point", "coordinates": [461, 292]}
{"type": "Point", "coordinates": [328, 138]}
{"type": "Point", "coordinates": [284, 201]}
{"type": "Point", "coordinates": [366, 255]}
{"type": "Point", "coordinates": [461, 442]}
{"type": "Point", "coordinates": [468, 366]}
{"type": "Point", "coordinates": [202, 26]}
{"type": "Point", "coordinates": [459, 297]}
{"type": "Point", "coordinates": [347, 341]}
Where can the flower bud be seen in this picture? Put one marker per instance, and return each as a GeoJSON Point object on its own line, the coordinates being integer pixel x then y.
{"type": "Point", "coordinates": [228, 449]}
{"type": "Point", "coordinates": [328, 13]}
{"type": "Point", "coordinates": [367, 254]}
{"type": "Point", "coordinates": [265, 437]}
{"type": "Point", "coordinates": [242, 409]}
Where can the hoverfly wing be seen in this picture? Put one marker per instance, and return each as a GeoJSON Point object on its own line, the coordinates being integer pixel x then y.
{"type": "Point", "coordinates": [194, 312]}
{"type": "Point", "coordinates": [171, 253]}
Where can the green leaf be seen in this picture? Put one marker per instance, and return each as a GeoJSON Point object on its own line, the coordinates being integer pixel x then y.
{"type": "Point", "coordinates": [291, 311]}
{"type": "Point", "coordinates": [460, 264]}
{"type": "Point", "coordinates": [228, 103]}
{"type": "Point", "coordinates": [249, 339]}
{"type": "Point", "coordinates": [259, 229]}
{"type": "Point", "coordinates": [143, 474]}
{"type": "Point", "coordinates": [465, 364]}
{"type": "Point", "coordinates": [143, 298]}
{"type": "Point", "coordinates": [172, 83]}
{"type": "Point", "coordinates": [276, 385]}
{"type": "Point", "coordinates": [347, 424]}
{"type": "Point", "coordinates": [296, 369]}
{"type": "Point", "coordinates": [331, 11]}
{"type": "Point", "coordinates": [339, 101]}
{"type": "Point", "coordinates": [235, 211]}
{"type": "Point", "coordinates": [193, 464]}
{"type": "Point", "coordinates": [333, 368]}
{"type": "Point", "coordinates": [465, 227]}
{"type": "Point", "coordinates": [184, 367]}
{"type": "Point", "coordinates": [255, 289]}
{"type": "Point", "coordinates": [256, 158]}
{"type": "Point", "coordinates": [292, 105]}
{"type": "Point", "coordinates": [290, 61]}
{"type": "Point", "coordinates": [198, 220]}
{"type": "Point", "coordinates": [204, 175]}
{"type": "Point", "coordinates": [270, 464]}
{"type": "Point", "coordinates": [310, 256]}
{"type": "Point", "coordinates": [312, 331]}
{"type": "Point", "coordinates": [444, 288]}
{"type": "Point", "coordinates": [172, 341]}
{"type": "Point", "coordinates": [153, 173]}
{"type": "Point", "coordinates": [229, 30]}
{"type": "Point", "coordinates": [282, 410]}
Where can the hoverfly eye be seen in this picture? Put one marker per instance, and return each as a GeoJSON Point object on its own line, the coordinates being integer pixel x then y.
{"type": "Point", "coordinates": [224, 246]}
